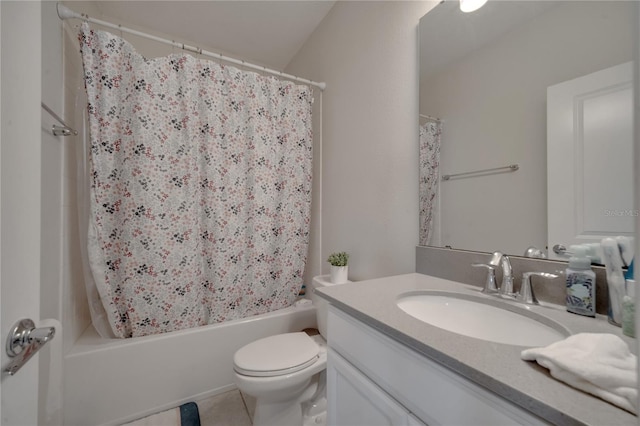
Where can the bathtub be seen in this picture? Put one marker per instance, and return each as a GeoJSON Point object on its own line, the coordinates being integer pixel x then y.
{"type": "Point", "coordinates": [113, 381]}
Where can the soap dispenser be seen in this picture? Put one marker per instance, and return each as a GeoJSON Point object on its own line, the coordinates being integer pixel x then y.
{"type": "Point", "coordinates": [581, 287]}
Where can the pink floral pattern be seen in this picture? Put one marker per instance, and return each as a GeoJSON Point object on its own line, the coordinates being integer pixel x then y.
{"type": "Point", "coordinates": [429, 162]}
{"type": "Point", "coordinates": [200, 191]}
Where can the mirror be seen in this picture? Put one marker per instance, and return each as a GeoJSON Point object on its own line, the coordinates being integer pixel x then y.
{"type": "Point", "coordinates": [485, 75]}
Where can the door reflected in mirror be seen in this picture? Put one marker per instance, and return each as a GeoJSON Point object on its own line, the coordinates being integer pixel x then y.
{"type": "Point", "coordinates": [484, 79]}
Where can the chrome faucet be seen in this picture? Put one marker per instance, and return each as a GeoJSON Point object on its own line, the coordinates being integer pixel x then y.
{"type": "Point", "coordinates": [506, 288]}
{"type": "Point", "coordinates": [490, 285]}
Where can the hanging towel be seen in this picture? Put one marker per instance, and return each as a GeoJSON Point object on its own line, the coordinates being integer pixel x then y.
{"type": "Point", "coordinates": [599, 364]}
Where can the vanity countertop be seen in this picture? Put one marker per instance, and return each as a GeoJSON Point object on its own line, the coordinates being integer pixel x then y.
{"type": "Point", "coordinates": [497, 367]}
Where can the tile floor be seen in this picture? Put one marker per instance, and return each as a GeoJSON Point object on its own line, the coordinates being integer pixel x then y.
{"type": "Point", "coordinates": [228, 409]}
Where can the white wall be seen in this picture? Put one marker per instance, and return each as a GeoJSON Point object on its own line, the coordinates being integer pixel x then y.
{"type": "Point", "coordinates": [75, 313]}
{"type": "Point", "coordinates": [51, 178]}
{"type": "Point", "coordinates": [494, 108]}
{"type": "Point", "coordinates": [366, 52]}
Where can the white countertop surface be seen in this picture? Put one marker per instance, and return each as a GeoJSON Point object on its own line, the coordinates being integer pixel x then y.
{"type": "Point", "coordinates": [498, 367]}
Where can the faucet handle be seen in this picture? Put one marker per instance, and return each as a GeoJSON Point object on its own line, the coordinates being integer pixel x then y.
{"type": "Point", "coordinates": [526, 294]}
{"type": "Point", "coordinates": [490, 286]}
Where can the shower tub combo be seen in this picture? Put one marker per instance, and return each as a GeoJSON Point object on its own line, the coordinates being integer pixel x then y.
{"type": "Point", "coordinates": [113, 381]}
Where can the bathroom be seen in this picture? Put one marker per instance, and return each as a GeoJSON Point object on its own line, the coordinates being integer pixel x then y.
{"type": "Point", "coordinates": [364, 51]}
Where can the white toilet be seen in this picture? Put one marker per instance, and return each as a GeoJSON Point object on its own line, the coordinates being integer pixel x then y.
{"type": "Point", "coordinates": [286, 372]}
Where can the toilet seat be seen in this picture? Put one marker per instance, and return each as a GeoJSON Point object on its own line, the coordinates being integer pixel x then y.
{"type": "Point", "coordinates": [276, 355]}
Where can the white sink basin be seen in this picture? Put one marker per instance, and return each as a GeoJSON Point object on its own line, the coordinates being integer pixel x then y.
{"type": "Point", "coordinates": [482, 318]}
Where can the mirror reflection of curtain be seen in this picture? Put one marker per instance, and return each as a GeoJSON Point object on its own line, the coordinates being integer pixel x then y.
{"type": "Point", "coordinates": [429, 163]}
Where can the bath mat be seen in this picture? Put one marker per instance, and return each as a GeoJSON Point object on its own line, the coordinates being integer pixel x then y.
{"type": "Point", "coordinates": [189, 415]}
{"type": "Point", "coordinates": [185, 415]}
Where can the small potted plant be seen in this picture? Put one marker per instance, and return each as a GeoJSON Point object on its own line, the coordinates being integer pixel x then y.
{"type": "Point", "coordinates": [339, 268]}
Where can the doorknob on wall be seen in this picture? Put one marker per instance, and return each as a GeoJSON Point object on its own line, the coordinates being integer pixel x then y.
{"type": "Point", "coordinates": [561, 250]}
{"type": "Point", "coordinates": [23, 341]}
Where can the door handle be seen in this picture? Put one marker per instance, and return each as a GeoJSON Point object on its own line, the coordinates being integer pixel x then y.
{"type": "Point", "coordinates": [23, 341]}
{"type": "Point", "coordinates": [561, 250]}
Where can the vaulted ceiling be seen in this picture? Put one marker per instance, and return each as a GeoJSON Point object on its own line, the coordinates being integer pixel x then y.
{"type": "Point", "coordinates": [264, 32]}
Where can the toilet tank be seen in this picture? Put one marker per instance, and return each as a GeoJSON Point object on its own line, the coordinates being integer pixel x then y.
{"type": "Point", "coordinates": [322, 306]}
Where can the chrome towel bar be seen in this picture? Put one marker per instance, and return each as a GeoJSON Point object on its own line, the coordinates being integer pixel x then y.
{"type": "Point", "coordinates": [510, 168]}
{"type": "Point", "coordinates": [58, 130]}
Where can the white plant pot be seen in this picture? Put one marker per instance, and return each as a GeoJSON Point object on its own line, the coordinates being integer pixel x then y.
{"type": "Point", "coordinates": [339, 274]}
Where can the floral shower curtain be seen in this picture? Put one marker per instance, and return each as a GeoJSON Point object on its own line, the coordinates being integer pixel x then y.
{"type": "Point", "coordinates": [200, 188]}
{"type": "Point", "coordinates": [429, 162]}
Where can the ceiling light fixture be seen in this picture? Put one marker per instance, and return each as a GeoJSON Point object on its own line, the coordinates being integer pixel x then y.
{"type": "Point", "coordinates": [471, 5]}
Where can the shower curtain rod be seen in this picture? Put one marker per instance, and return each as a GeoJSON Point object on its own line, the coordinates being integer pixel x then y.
{"type": "Point", "coordinates": [65, 13]}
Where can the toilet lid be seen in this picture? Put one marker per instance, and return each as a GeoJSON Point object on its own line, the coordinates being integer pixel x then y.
{"type": "Point", "coordinates": [276, 355]}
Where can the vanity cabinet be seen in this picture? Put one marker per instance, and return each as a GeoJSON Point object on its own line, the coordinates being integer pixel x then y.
{"type": "Point", "coordinates": [374, 380]}
{"type": "Point", "coordinates": [356, 400]}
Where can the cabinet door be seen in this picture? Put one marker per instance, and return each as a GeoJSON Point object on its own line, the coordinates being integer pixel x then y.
{"type": "Point", "coordinates": [354, 400]}
{"type": "Point", "coordinates": [414, 421]}
{"type": "Point", "coordinates": [431, 392]}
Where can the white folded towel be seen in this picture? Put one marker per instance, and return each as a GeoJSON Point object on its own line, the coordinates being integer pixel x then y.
{"type": "Point", "coordinates": [599, 364]}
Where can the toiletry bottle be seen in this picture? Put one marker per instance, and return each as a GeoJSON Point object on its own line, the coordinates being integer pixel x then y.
{"type": "Point", "coordinates": [628, 310]}
{"type": "Point", "coordinates": [615, 279]}
{"type": "Point", "coordinates": [581, 287]}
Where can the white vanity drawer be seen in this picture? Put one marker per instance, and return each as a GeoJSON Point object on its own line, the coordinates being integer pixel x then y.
{"type": "Point", "coordinates": [433, 393]}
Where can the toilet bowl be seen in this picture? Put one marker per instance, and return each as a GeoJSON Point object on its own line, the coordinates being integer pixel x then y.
{"type": "Point", "coordinates": [286, 372]}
